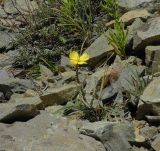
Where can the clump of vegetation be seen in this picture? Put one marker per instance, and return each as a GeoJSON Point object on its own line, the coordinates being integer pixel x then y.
{"type": "Point", "coordinates": [117, 37]}
{"type": "Point", "coordinates": [58, 26]}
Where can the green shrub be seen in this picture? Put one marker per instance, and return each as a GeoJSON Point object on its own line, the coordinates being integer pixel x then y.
{"type": "Point", "coordinates": [118, 37]}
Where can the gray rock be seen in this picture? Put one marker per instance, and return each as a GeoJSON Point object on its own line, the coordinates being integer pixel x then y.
{"type": "Point", "coordinates": [21, 5]}
{"type": "Point", "coordinates": [21, 110]}
{"type": "Point", "coordinates": [8, 58]}
{"type": "Point", "coordinates": [127, 78]}
{"type": "Point", "coordinates": [93, 84]}
{"type": "Point", "coordinates": [129, 17]}
{"type": "Point", "coordinates": [152, 58]}
{"type": "Point", "coordinates": [2, 98]}
{"type": "Point", "coordinates": [114, 136]}
{"type": "Point", "coordinates": [149, 34]}
{"type": "Point", "coordinates": [46, 133]}
{"type": "Point", "coordinates": [148, 4]}
{"type": "Point", "coordinates": [16, 85]}
{"type": "Point", "coordinates": [108, 93]}
{"type": "Point", "coordinates": [149, 132]}
{"type": "Point", "coordinates": [65, 61]}
{"type": "Point", "coordinates": [132, 29]}
{"type": "Point", "coordinates": [156, 143]}
{"type": "Point", "coordinates": [60, 95]}
{"type": "Point", "coordinates": [6, 39]}
{"type": "Point", "coordinates": [149, 103]}
{"type": "Point", "coordinates": [99, 49]}
{"type": "Point", "coordinates": [4, 74]}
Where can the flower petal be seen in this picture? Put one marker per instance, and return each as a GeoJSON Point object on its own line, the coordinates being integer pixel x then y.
{"type": "Point", "coordinates": [74, 55]}
{"type": "Point", "coordinates": [73, 61]}
{"type": "Point", "coordinates": [81, 62]}
{"type": "Point", "coordinates": [84, 57]}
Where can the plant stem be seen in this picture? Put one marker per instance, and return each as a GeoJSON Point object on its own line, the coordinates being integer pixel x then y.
{"type": "Point", "coordinates": [77, 76]}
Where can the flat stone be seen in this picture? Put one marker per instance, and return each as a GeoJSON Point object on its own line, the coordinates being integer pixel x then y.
{"type": "Point", "coordinates": [149, 34]}
{"type": "Point", "coordinates": [114, 136]}
{"type": "Point", "coordinates": [99, 49]}
{"type": "Point", "coordinates": [150, 104]}
{"type": "Point", "coordinates": [156, 143]}
{"type": "Point", "coordinates": [131, 16]}
{"type": "Point", "coordinates": [60, 95]}
{"type": "Point", "coordinates": [8, 58]}
{"type": "Point", "coordinates": [152, 58]}
{"type": "Point", "coordinates": [21, 110]}
{"type": "Point", "coordinates": [47, 133]}
{"type": "Point", "coordinates": [147, 4]}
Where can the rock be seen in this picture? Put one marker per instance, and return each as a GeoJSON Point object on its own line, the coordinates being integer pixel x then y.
{"type": "Point", "coordinates": [6, 39]}
{"type": "Point", "coordinates": [46, 74]}
{"type": "Point", "coordinates": [93, 84]}
{"type": "Point", "coordinates": [129, 17]}
{"type": "Point", "coordinates": [6, 90]}
{"type": "Point", "coordinates": [114, 136]}
{"type": "Point", "coordinates": [2, 98]}
{"type": "Point", "coordinates": [156, 143]}
{"type": "Point", "coordinates": [149, 103]}
{"type": "Point", "coordinates": [22, 109]}
{"type": "Point", "coordinates": [8, 58]}
{"type": "Point", "coordinates": [150, 5]}
{"type": "Point", "coordinates": [135, 148]}
{"type": "Point", "coordinates": [149, 34]}
{"type": "Point", "coordinates": [149, 132]}
{"type": "Point", "coordinates": [99, 49]}
{"type": "Point", "coordinates": [60, 95]}
{"type": "Point", "coordinates": [21, 5]}
{"type": "Point", "coordinates": [4, 74]}
{"type": "Point", "coordinates": [108, 94]}
{"type": "Point", "coordinates": [152, 58]}
{"type": "Point", "coordinates": [68, 76]}
{"type": "Point", "coordinates": [132, 29]}
{"type": "Point", "coordinates": [65, 61]}
{"type": "Point", "coordinates": [30, 93]}
{"type": "Point", "coordinates": [16, 85]}
{"type": "Point", "coordinates": [126, 76]}
{"type": "Point", "coordinates": [46, 133]}
{"type": "Point", "coordinates": [153, 119]}
{"type": "Point", "coordinates": [57, 109]}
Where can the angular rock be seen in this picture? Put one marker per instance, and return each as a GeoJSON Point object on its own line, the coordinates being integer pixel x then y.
{"type": "Point", "coordinates": [99, 49]}
{"type": "Point", "coordinates": [156, 143]}
{"type": "Point", "coordinates": [93, 84]}
{"type": "Point", "coordinates": [8, 58]}
{"type": "Point", "coordinates": [46, 133]}
{"type": "Point", "coordinates": [114, 136]}
{"type": "Point", "coordinates": [21, 110]}
{"type": "Point", "coordinates": [150, 5]}
{"type": "Point", "coordinates": [149, 101]}
{"type": "Point", "coordinates": [152, 58]}
{"type": "Point", "coordinates": [6, 39]}
{"type": "Point", "coordinates": [149, 34]}
{"type": "Point", "coordinates": [60, 95]}
{"type": "Point", "coordinates": [132, 29]}
{"type": "Point", "coordinates": [149, 132]}
{"type": "Point", "coordinates": [21, 5]}
{"type": "Point", "coordinates": [129, 17]}
{"type": "Point", "coordinates": [15, 85]}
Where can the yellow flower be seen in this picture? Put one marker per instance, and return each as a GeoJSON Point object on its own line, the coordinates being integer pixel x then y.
{"type": "Point", "coordinates": [76, 59]}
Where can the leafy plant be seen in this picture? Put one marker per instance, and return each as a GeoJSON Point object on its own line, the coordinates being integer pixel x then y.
{"type": "Point", "coordinates": [118, 36]}
{"type": "Point", "coordinates": [76, 15]}
{"type": "Point", "coordinates": [111, 7]}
